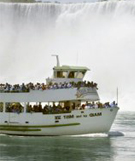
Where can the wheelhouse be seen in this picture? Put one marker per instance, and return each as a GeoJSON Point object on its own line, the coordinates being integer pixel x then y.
{"type": "Point", "coordinates": [67, 74]}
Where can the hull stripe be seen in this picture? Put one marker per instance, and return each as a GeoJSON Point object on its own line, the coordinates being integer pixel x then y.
{"type": "Point", "coordinates": [17, 129]}
{"type": "Point", "coordinates": [28, 128]}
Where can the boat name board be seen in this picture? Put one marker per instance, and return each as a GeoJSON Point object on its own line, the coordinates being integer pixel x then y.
{"type": "Point", "coordinates": [79, 116]}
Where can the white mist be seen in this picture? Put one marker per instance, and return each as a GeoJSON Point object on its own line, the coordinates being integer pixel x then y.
{"type": "Point", "coordinates": [98, 35]}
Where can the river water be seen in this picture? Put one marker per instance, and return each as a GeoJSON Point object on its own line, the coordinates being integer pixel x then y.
{"type": "Point", "coordinates": [118, 145]}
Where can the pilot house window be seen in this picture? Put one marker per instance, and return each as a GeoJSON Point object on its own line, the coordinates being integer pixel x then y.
{"type": "Point", "coordinates": [80, 75]}
{"type": "Point", "coordinates": [71, 75]}
{"type": "Point", "coordinates": [61, 74]}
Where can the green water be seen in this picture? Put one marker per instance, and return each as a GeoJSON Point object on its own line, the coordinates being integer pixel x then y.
{"type": "Point", "coordinates": [95, 147]}
{"type": "Point", "coordinates": [55, 148]}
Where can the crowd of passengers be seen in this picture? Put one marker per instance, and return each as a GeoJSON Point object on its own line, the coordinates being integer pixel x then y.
{"type": "Point", "coordinates": [46, 109]}
{"type": "Point", "coordinates": [42, 86]}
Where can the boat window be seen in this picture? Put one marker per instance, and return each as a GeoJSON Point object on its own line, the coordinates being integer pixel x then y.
{"type": "Point", "coordinates": [65, 74]}
{"type": "Point", "coordinates": [71, 75]}
{"type": "Point", "coordinates": [61, 74]}
{"type": "Point", "coordinates": [34, 107]}
{"type": "Point", "coordinates": [55, 74]}
{"type": "Point", "coordinates": [80, 75]}
{"type": "Point", "coordinates": [1, 106]}
{"type": "Point", "coordinates": [76, 73]}
{"type": "Point", "coordinates": [14, 107]}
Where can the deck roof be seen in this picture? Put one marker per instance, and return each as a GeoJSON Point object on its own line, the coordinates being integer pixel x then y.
{"type": "Point", "coordinates": [71, 68]}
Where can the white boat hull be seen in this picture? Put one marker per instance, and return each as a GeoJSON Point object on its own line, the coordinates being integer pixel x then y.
{"type": "Point", "coordinates": [74, 123]}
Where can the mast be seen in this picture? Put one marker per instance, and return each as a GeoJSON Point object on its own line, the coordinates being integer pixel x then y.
{"type": "Point", "coordinates": [57, 59]}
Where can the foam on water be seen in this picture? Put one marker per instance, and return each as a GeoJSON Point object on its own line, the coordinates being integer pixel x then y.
{"type": "Point", "coordinates": [102, 135]}
{"type": "Point", "coordinates": [115, 133]}
{"type": "Point", "coordinates": [98, 135]}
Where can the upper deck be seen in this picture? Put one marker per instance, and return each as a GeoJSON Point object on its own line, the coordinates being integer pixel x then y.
{"type": "Point", "coordinates": [66, 84]}
{"type": "Point", "coordinates": [51, 95]}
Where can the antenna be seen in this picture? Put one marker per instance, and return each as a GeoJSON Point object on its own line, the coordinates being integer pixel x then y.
{"type": "Point", "coordinates": [57, 58]}
{"type": "Point", "coordinates": [77, 59]}
{"type": "Point", "coordinates": [117, 95]}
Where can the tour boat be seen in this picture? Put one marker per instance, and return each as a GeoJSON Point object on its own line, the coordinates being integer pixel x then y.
{"type": "Point", "coordinates": [64, 105]}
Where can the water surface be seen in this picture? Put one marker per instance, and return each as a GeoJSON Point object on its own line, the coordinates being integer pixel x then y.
{"type": "Point", "coordinates": [94, 147]}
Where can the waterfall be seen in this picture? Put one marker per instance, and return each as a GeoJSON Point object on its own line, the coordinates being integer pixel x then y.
{"type": "Point", "coordinates": [98, 35]}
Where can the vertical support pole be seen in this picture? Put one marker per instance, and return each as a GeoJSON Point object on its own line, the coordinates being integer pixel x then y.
{"type": "Point", "coordinates": [4, 107]}
{"type": "Point", "coordinates": [25, 106]}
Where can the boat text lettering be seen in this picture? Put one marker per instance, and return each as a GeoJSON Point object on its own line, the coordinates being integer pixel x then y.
{"type": "Point", "coordinates": [78, 116]}
{"type": "Point", "coordinates": [57, 117]}
{"type": "Point", "coordinates": [68, 116]}
{"type": "Point", "coordinates": [95, 114]}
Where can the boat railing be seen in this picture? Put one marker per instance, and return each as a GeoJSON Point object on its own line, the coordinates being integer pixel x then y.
{"type": "Point", "coordinates": [7, 88]}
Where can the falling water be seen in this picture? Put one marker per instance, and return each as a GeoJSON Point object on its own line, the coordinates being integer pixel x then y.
{"type": "Point", "coordinates": [98, 35]}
